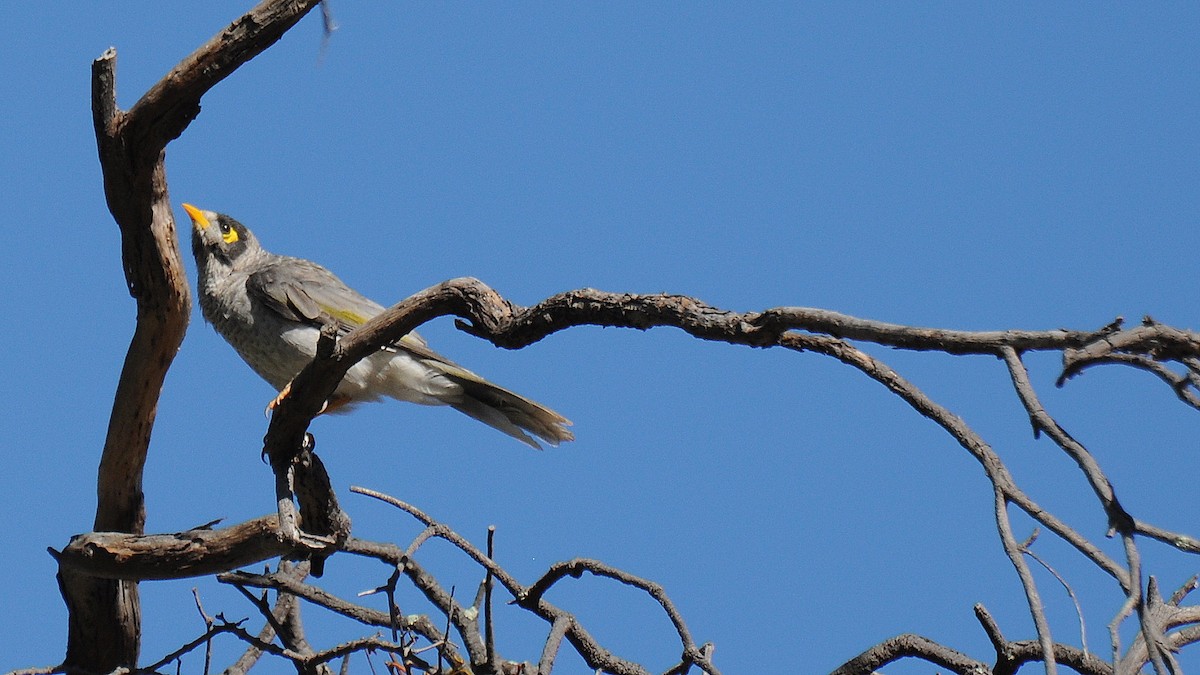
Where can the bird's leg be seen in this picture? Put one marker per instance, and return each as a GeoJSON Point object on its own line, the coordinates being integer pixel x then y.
{"type": "Point", "coordinates": [283, 393]}
{"type": "Point", "coordinates": [336, 401]}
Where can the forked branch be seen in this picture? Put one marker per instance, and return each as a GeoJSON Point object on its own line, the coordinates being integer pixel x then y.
{"type": "Point", "coordinates": [104, 615]}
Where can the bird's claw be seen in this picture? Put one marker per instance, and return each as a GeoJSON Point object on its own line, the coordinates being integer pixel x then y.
{"type": "Point", "coordinates": [336, 401]}
{"type": "Point", "coordinates": [283, 393]}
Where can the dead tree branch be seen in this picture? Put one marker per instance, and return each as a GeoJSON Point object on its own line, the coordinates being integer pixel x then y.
{"type": "Point", "coordinates": [104, 615]}
{"type": "Point", "coordinates": [488, 315]}
{"type": "Point", "coordinates": [193, 553]}
{"type": "Point", "coordinates": [98, 572]}
{"type": "Point", "coordinates": [481, 657]}
{"type": "Point", "coordinates": [911, 646]}
{"type": "Point", "coordinates": [420, 625]}
{"type": "Point", "coordinates": [285, 603]}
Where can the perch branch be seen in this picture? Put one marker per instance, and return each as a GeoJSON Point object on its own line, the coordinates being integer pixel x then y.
{"type": "Point", "coordinates": [490, 316]}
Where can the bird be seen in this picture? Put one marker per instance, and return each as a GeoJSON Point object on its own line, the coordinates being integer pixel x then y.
{"type": "Point", "coordinates": [270, 308]}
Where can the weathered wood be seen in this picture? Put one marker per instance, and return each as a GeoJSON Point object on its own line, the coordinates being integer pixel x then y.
{"type": "Point", "coordinates": [199, 552]}
{"type": "Point", "coordinates": [104, 626]}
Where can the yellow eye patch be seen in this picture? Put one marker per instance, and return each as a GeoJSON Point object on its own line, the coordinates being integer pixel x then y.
{"type": "Point", "coordinates": [229, 234]}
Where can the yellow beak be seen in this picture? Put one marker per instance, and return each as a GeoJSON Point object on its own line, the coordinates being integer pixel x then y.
{"type": "Point", "coordinates": [197, 216]}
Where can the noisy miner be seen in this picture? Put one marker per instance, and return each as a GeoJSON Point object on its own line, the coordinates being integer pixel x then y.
{"type": "Point", "coordinates": [271, 308]}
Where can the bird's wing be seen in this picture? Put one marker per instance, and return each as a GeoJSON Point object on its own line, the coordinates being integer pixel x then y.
{"type": "Point", "coordinates": [305, 292]}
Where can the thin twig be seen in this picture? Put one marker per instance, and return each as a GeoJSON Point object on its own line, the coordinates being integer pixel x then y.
{"type": "Point", "coordinates": [1027, 547]}
{"type": "Point", "coordinates": [489, 640]}
{"type": "Point", "coordinates": [1032, 597]}
{"type": "Point", "coordinates": [208, 624]}
{"type": "Point", "coordinates": [583, 642]}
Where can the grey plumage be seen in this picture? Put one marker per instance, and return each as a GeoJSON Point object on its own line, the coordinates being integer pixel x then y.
{"type": "Point", "coordinates": [271, 308]}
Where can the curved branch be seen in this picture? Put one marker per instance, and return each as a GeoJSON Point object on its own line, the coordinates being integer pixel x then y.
{"type": "Point", "coordinates": [504, 324]}
{"type": "Point", "coordinates": [576, 567]}
{"type": "Point", "coordinates": [581, 640]}
{"type": "Point", "coordinates": [168, 107]}
{"type": "Point", "coordinates": [1160, 341]}
{"type": "Point", "coordinates": [281, 582]}
{"type": "Point", "coordinates": [1029, 651]}
{"type": "Point", "coordinates": [1015, 655]}
{"type": "Point", "coordinates": [1118, 519]}
{"type": "Point", "coordinates": [910, 645]}
{"type": "Point", "coordinates": [1185, 385]}
{"type": "Point", "coordinates": [1011, 656]}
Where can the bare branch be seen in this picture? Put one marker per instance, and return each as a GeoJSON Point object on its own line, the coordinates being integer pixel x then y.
{"type": "Point", "coordinates": [1185, 385]}
{"type": "Point", "coordinates": [1151, 338]}
{"type": "Point", "coordinates": [558, 630]}
{"type": "Point", "coordinates": [507, 325]}
{"type": "Point", "coordinates": [995, 469]}
{"type": "Point", "coordinates": [1027, 548]}
{"type": "Point", "coordinates": [434, 528]}
{"type": "Point", "coordinates": [1029, 651]}
{"type": "Point", "coordinates": [911, 646]}
{"type": "Point", "coordinates": [114, 555]}
{"type": "Point", "coordinates": [287, 584]}
{"type": "Point", "coordinates": [581, 640]}
{"type": "Point", "coordinates": [104, 629]}
{"type": "Point", "coordinates": [1032, 597]}
{"type": "Point", "coordinates": [1183, 542]}
{"type": "Point", "coordinates": [208, 624]}
{"type": "Point", "coordinates": [283, 605]}
{"type": "Point", "coordinates": [349, 647]}
{"type": "Point", "coordinates": [489, 637]}
{"type": "Point", "coordinates": [224, 627]}
{"type": "Point", "coordinates": [576, 568]}
{"type": "Point", "coordinates": [164, 111]}
{"type": "Point", "coordinates": [1118, 519]}
{"type": "Point", "coordinates": [1114, 628]}
{"type": "Point", "coordinates": [1182, 592]}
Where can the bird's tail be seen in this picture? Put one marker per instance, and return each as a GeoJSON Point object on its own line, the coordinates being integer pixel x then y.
{"type": "Point", "coordinates": [511, 413]}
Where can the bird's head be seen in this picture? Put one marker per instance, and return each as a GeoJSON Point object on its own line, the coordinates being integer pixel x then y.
{"type": "Point", "coordinates": [220, 240]}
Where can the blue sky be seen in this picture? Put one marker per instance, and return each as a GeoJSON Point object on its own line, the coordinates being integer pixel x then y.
{"type": "Point", "coordinates": [955, 165]}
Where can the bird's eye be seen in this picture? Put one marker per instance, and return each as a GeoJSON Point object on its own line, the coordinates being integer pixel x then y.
{"type": "Point", "coordinates": [229, 234]}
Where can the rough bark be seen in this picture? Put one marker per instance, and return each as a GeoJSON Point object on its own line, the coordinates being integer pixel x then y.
{"type": "Point", "coordinates": [104, 615]}
{"type": "Point", "coordinates": [193, 553]}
